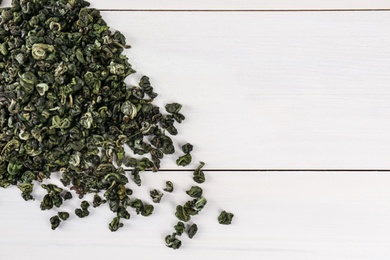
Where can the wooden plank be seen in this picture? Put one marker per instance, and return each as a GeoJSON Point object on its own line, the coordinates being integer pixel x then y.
{"type": "Point", "coordinates": [271, 90]}
{"type": "Point", "coordinates": [240, 5]}
{"type": "Point", "coordinates": [294, 215]}
{"type": "Point", "coordinates": [237, 5]}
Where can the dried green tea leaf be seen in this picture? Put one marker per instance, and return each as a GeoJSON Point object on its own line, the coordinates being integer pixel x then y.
{"type": "Point", "coordinates": [84, 205]}
{"type": "Point", "coordinates": [192, 230]}
{"type": "Point", "coordinates": [81, 213]}
{"type": "Point", "coordinates": [179, 228]}
{"type": "Point", "coordinates": [182, 214]}
{"type": "Point", "coordinates": [63, 215]}
{"type": "Point", "coordinates": [147, 210]}
{"type": "Point", "coordinates": [156, 195]}
{"type": "Point", "coordinates": [187, 158]}
{"type": "Point", "coordinates": [187, 148]}
{"type": "Point", "coordinates": [55, 222]}
{"type": "Point", "coordinates": [198, 174]}
{"type": "Point", "coordinates": [184, 160]}
{"type": "Point", "coordinates": [52, 198]}
{"type": "Point", "coordinates": [173, 107]}
{"type": "Point", "coordinates": [97, 201]}
{"type": "Point", "coordinates": [131, 162]}
{"type": "Point", "coordinates": [172, 242]}
{"type": "Point", "coordinates": [115, 224]}
{"type": "Point", "coordinates": [66, 195]}
{"type": "Point", "coordinates": [225, 218]}
{"type": "Point", "coordinates": [123, 213]}
{"type": "Point", "coordinates": [195, 192]}
{"type": "Point", "coordinates": [26, 189]}
{"type": "Point", "coordinates": [169, 186]}
{"type": "Point", "coordinates": [193, 207]}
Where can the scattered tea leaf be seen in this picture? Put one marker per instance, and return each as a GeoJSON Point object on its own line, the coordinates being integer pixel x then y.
{"type": "Point", "coordinates": [225, 218]}
{"type": "Point", "coordinates": [192, 230]}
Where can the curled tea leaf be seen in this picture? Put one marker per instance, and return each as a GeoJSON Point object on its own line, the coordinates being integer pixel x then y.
{"type": "Point", "coordinates": [123, 213]}
{"type": "Point", "coordinates": [184, 160]}
{"type": "Point", "coordinates": [187, 158]}
{"type": "Point", "coordinates": [172, 242]}
{"type": "Point", "coordinates": [147, 210]}
{"type": "Point", "coordinates": [163, 143]}
{"type": "Point", "coordinates": [193, 207]}
{"type": "Point", "coordinates": [192, 230]}
{"type": "Point", "coordinates": [173, 107]}
{"type": "Point", "coordinates": [66, 195]}
{"type": "Point", "coordinates": [131, 162]}
{"type": "Point", "coordinates": [14, 168]}
{"type": "Point", "coordinates": [115, 224]}
{"type": "Point", "coordinates": [179, 228]}
{"type": "Point", "coordinates": [138, 205]}
{"type": "Point", "coordinates": [80, 213]}
{"type": "Point", "coordinates": [145, 164]}
{"type": "Point", "coordinates": [198, 174]}
{"type": "Point", "coordinates": [187, 148]}
{"type": "Point", "coordinates": [42, 88]}
{"type": "Point", "coordinates": [182, 214]}
{"type": "Point", "coordinates": [52, 198]}
{"type": "Point", "coordinates": [26, 189]}
{"type": "Point", "coordinates": [55, 222]}
{"type": "Point", "coordinates": [97, 201]}
{"type": "Point", "coordinates": [86, 120]}
{"type": "Point", "coordinates": [40, 51]}
{"type": "Point", "coordinates": [129, 109]}
{"type": "Point", "coordinates": [225, 218]}
{"type": "Point", "coordinates": [195, 192]}
{"type": "Point", "coordinates": [169, 186]}
{"type": "Point", "coordinates": [83, 211]}
{"type": "Point", "coordinates": [63, 215]}
{"type": "Point", "coordinates": [156, 195]}
{"type": "Point", "coordinates": [84, 205]}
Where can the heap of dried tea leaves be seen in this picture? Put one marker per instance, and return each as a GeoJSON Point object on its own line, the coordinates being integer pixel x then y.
{"type": "Point", "coordinates": [64, 106]}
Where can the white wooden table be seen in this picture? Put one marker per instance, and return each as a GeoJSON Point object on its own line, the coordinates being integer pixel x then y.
{"type": "Point", "coordinates": [288, 103]}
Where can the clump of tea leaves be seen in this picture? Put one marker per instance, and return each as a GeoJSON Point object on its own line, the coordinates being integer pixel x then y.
{"type": "Point", "coordinates": [65, 107]}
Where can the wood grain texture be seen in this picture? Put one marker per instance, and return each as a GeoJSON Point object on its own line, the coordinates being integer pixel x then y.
{"type": "Point", "coordinates": [313, 216]}
{"type": "Point", "coordinates": [271, 90]}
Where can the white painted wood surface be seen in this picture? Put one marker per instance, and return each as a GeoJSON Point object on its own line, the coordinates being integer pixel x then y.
{"type": "Point", "coordinates": [236, 4]}
{"type": "Point", "coordinates": [294, 215]}
{"type": "Point", "coordinates": [271, 90]}
{"type": "Point", "coordinates": [242, 4]}
{"type": "Point", "coordinates": [294, 90]}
